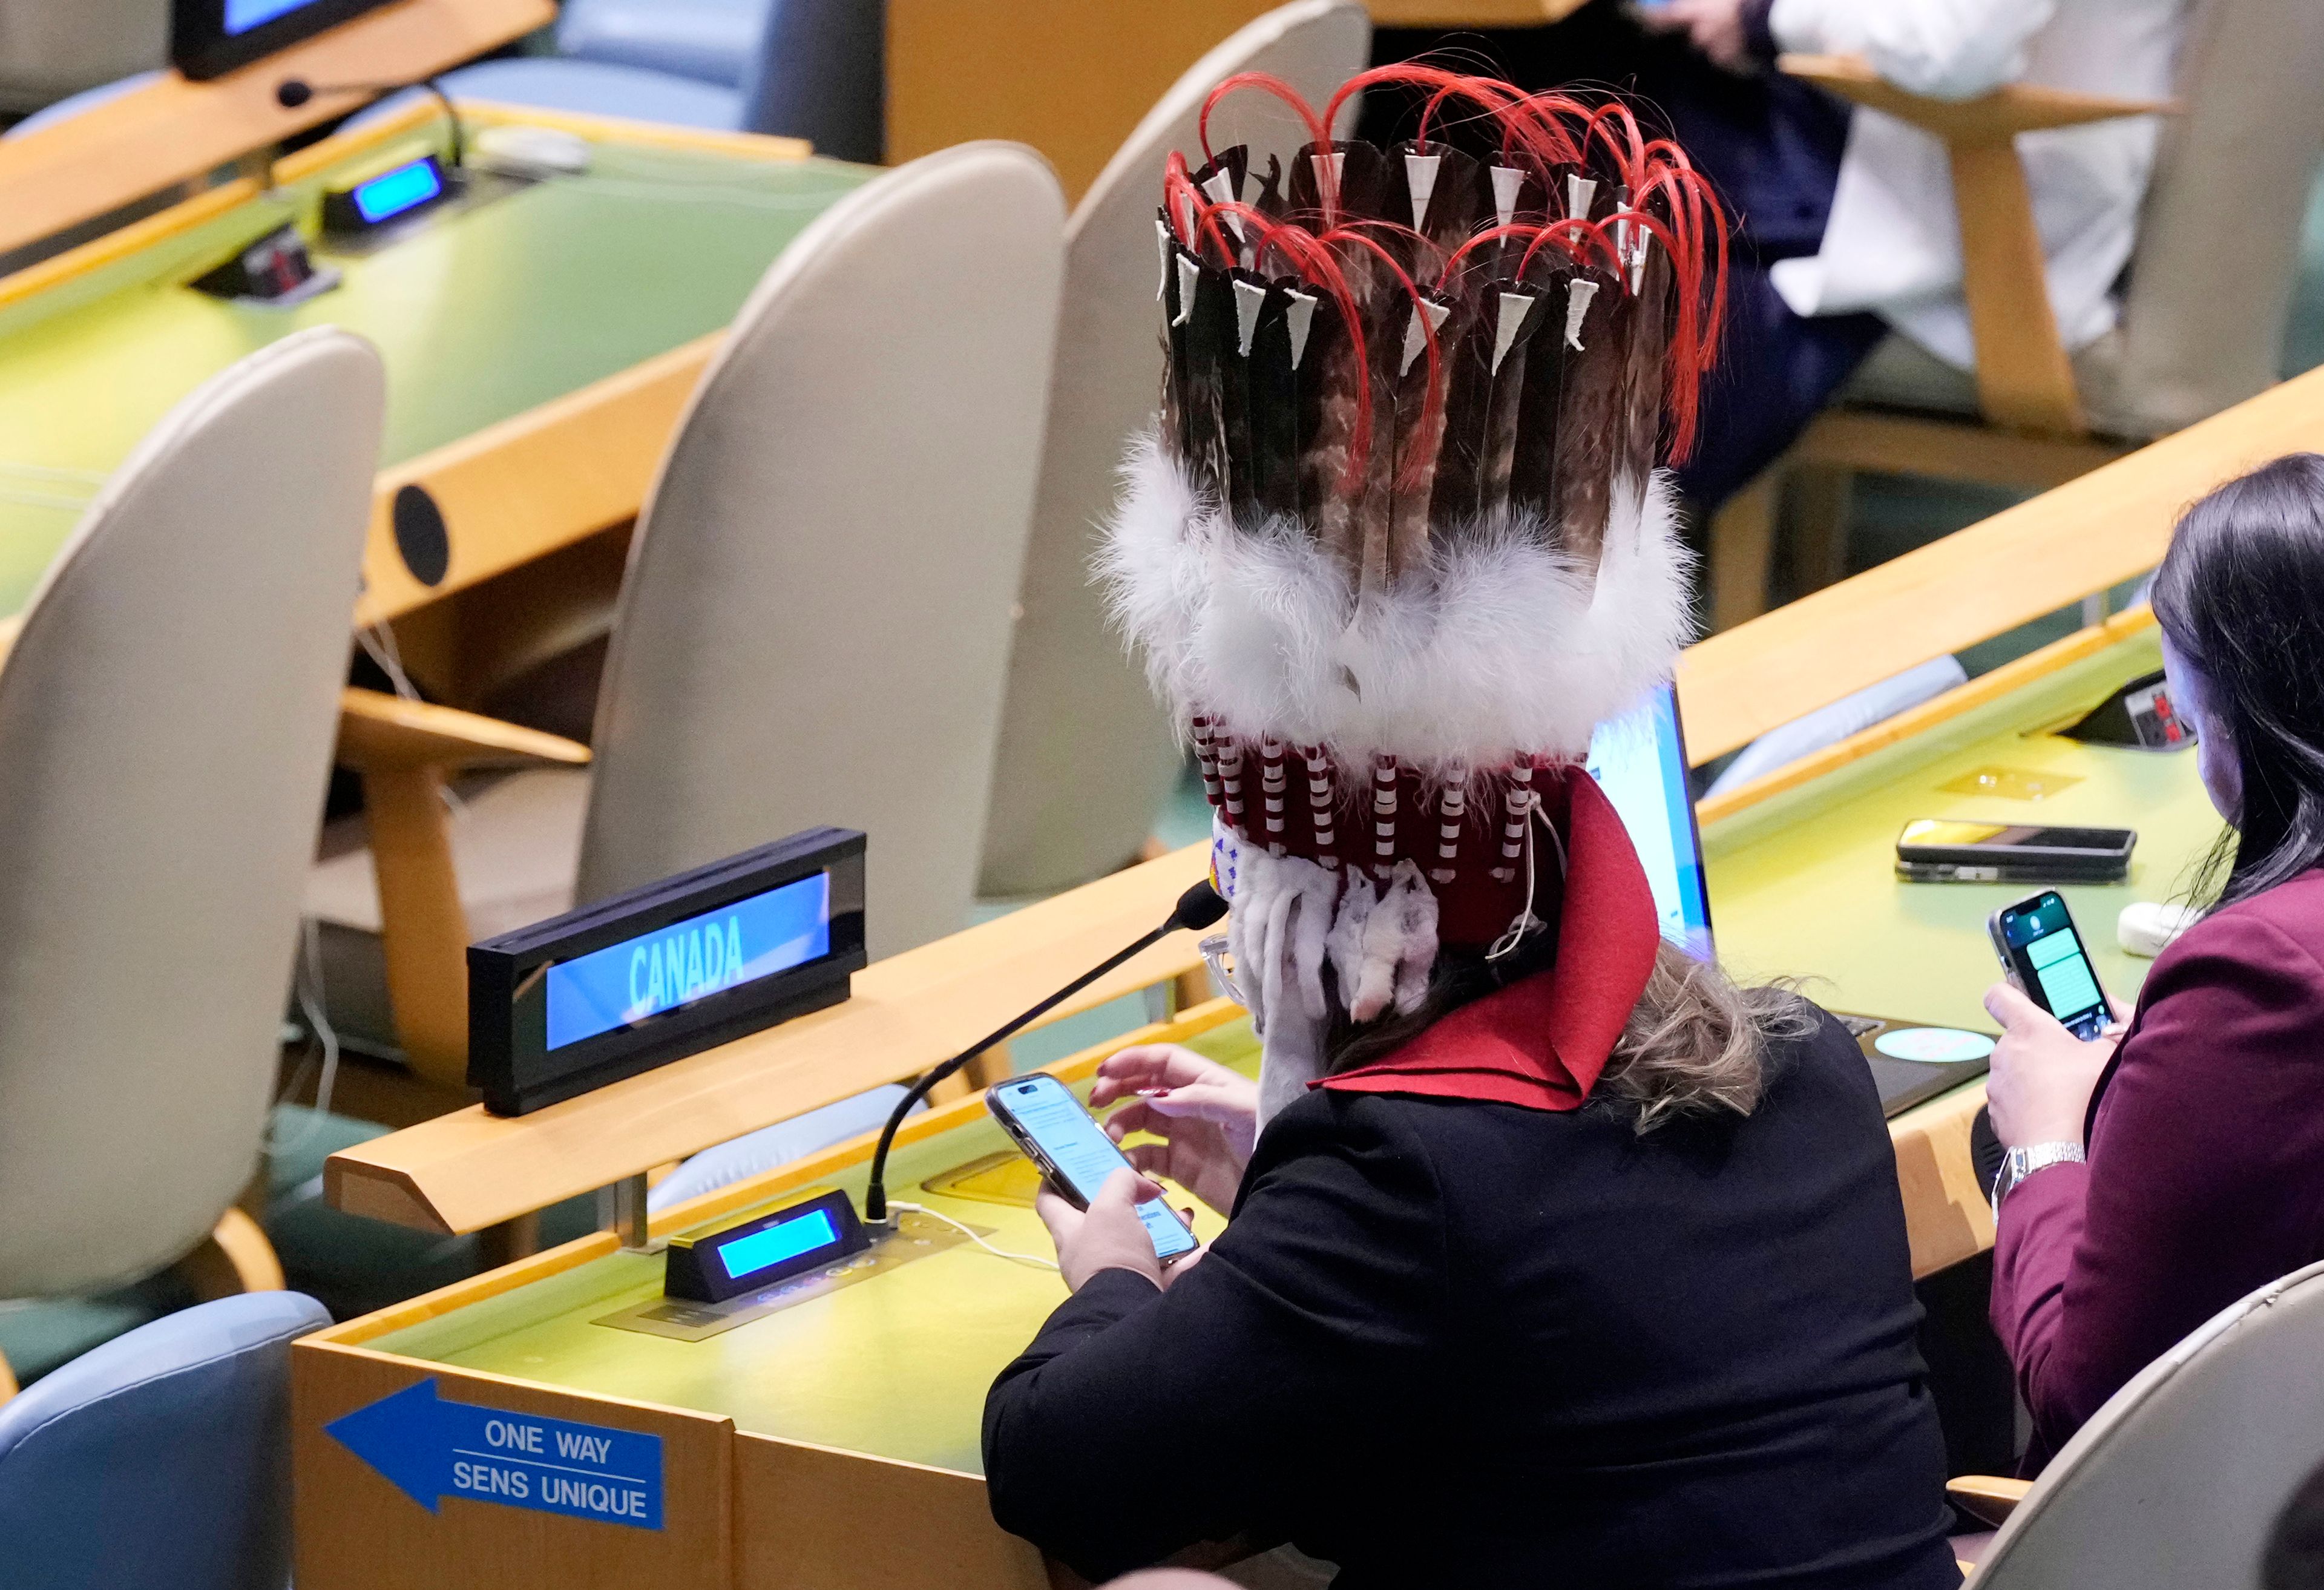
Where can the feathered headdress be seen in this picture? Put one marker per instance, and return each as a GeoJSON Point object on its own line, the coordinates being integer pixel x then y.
{"type": "Point", "coordinates": [1400, 543]}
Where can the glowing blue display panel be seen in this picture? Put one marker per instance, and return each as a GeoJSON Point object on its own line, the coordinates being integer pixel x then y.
{"type": "Point", "coordinates": [2061, 967]}
{"type": "Point", "coordinates": [1639, 760]}
{"type": "Point", "coordinates": [763, 1250]}
{"type": "Point", "coordinates": [397, 192]}
{"type": "Point", "coordinates": [242, 15]}
{"type": "Point", "coordinates": [627, 982]}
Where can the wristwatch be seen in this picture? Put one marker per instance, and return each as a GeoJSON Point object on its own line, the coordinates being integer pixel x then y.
{"type": "Point", "coordinates": [2018, 1164]}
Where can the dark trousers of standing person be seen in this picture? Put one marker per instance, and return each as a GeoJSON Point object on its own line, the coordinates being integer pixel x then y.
{"type": "Point", "coordinates": [1771, 146]}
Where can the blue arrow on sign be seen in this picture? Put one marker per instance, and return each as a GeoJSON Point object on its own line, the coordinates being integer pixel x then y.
{"type": "Point", "coordinates": [429, 1449]}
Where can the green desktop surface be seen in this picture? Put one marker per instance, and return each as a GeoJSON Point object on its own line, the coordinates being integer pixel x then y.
{"type": "Point", "coordinates": [897, 1366]}
{"type": "Point", "coordinates": [481, 313]}
{"type": "Point", "coordinates": [1804, 884]}
{"type": "Point", "coordinates": [1801, 885]}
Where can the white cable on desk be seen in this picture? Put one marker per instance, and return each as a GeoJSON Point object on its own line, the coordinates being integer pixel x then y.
{"type": "Point", "coordinates": [972, 1236]}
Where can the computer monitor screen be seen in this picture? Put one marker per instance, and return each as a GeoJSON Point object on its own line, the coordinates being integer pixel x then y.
{"type": "Point", "coordinates": [209, 38]}
{"type": "Point", "coordinates": [1639, 760]}
{"type": "Point", "coordinates": [242, 15]}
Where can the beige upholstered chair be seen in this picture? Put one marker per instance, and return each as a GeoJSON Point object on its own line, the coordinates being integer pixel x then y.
{"type": "Point", "coordinates": [1087, 757]}
{"type": "Point", "coordinates": [166, 715]}
{"type": "Point", "coordinates": [2209, 285]}
{"type": "Point", "coordinates": [2177, 1481]}
{"type": "Point", "coordinates": [48, 51]}
{"type": "Point", "coordinates": [814, 626]}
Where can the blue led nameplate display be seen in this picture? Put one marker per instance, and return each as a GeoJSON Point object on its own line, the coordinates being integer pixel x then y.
{"type": "Point", "coordinates": [759, 1253]}
{"type": "Point", "coordinates": [675, 965]}
{"type": "Point", "coordinates": [766, 1248]}
{"type": "Point", "coordinates": [665, 970]}
{"type": "Point", "coordinates": [388, 195]}
{"type": "Point", "coordinates": [398, 192]}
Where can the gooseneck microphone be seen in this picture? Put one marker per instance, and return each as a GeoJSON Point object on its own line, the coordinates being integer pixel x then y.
{"type": "Point", "coordinates": [291, 93]}
{"type": "Point", "coordinates": [1197, 908]}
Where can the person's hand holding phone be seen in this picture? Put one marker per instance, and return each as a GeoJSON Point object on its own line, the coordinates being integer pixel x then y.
{"type": "Point", "coordinates": [1206, 1115]}
{"type": "Point", "coordinates": [2039, 1089]}
{"type": "Point", "coordinates": [1107, 1234]}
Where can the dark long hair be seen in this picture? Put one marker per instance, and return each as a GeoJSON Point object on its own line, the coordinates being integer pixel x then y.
{"type": "Point", "coordinates": [2240, 594]}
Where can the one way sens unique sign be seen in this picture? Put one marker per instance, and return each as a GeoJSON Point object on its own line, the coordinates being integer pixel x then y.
{"type": "Point", "coordinates": [429, 1449]}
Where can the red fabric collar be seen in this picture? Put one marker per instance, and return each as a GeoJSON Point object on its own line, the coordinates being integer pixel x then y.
{"type": "Point", "coordinates": [1543, 1043]}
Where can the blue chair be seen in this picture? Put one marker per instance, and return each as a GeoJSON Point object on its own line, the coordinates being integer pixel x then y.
{"type": "Point", "coordinates": [1850, 714]}
{"type": "Point", "coordinates": [770, 1146]}
{"type": "Point", "coordinates": [817, 71]}
{"type": "Point", "coordinates": [162, 1457]}
{"type": "Point", "coordinates": [717, 40]}
{"type": "Point", "coordinates": [72, 104]}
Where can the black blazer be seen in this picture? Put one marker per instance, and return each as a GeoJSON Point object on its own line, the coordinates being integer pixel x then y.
{"type": "Point", "coordinates": [1471, 1344]}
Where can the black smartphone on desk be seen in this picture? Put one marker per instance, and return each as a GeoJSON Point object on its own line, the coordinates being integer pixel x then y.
{"type": "Point", "coordinates": [2042, 952]}
{"type": "Point", "coordinates": [1933, 850]}
{"type": "Point", "coordinates": [1058, 1132]}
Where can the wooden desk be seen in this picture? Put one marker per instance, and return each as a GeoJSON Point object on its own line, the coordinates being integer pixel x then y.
{"type": "Point", "coordinates": [835, 1443]}
{"type": "Point", "coordinates": [540, 346]}
{"type": "Point", "coordinates": [1801, 873]}
{"type": "Point", "coordinates": [2104, 528]}
{"type": "Point", "coordinates": [172, 131]}
{"type": "Point", "coordinates": [832, 1444]}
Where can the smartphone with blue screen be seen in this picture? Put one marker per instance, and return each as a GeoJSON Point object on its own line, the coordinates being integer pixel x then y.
{"type": "Point", "coordinates": [1042, 1117]}
{"type": "Point", "coordinates": [2042, 950]}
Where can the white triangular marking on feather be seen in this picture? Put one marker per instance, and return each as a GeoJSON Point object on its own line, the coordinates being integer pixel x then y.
{"type": "Point", "coordinates": [1331, 172]}
{"type": "Point", "coordinates": [1298, 318]}
{"type": "Point", "coordinates": [1507, 183]}
{"type": "Point", "coordinates": [1220, 189]}
{"type": "Point", "coordinates": [1420, 177]}
{"type": "Point", "coordinates": [1249, 299]}
{"type": "Point", "coordinates": [1577, 304]}
{"type": "Point", "coordinates": [1580, 193]}
{"type": "Point", "coordinates": [1414, 337]}
{"type": "Point", "coordinates": [1162, 241]}
{"type": "Point", "coordinates": [1514, 307]}
{"type": "Point", "coordinates": [1190, 276]}
{"type": "Point", "coordinates": [1644, 240]}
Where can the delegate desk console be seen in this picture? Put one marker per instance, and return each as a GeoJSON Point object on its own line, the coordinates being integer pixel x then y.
{"type": "Point", "coordinates": [540, 343]}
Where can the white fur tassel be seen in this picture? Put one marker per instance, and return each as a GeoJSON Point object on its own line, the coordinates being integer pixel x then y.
{"type": "Point", "coordinates": [1503, 647]}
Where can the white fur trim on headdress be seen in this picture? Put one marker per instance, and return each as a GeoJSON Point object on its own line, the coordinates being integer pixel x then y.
{"type": "Point", "coordinates": [1503, 646]}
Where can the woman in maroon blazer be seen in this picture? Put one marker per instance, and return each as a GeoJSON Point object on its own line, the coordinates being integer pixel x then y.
{"type": "Point", "coordinates": [2179, 1167]}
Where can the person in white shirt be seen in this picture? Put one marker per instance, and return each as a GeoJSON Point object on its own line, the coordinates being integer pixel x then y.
{"type": "Point", "coordinates": [1847, 225]}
